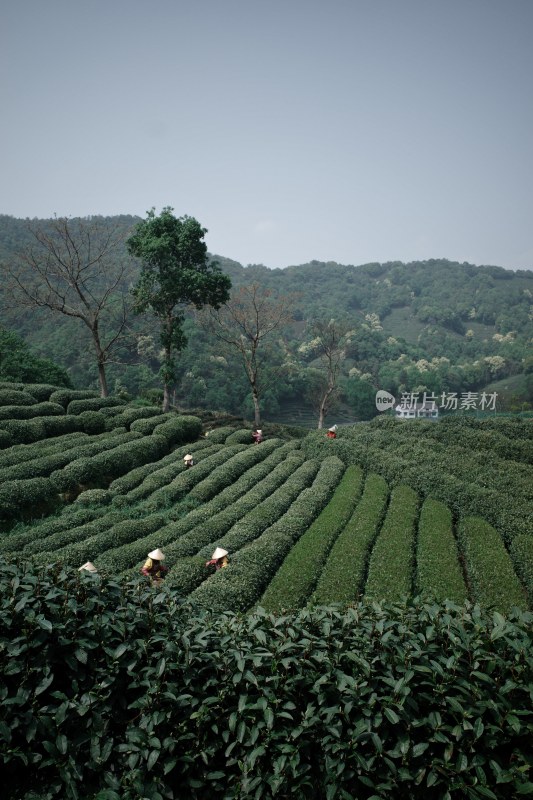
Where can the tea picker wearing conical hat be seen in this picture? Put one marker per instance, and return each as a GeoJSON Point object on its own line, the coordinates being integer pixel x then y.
{"type": "Point", "coordinates": [219, 559]}
{"type": "Point", "coordinates": [188, 461]}
{"type": "Point", "coordinates": [153, 568]}
{"type": "Point", "coordinates": [88, 567]}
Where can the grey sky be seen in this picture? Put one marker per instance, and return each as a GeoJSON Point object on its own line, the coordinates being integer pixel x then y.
{"type": "Point", "coordinates": [342, 130]}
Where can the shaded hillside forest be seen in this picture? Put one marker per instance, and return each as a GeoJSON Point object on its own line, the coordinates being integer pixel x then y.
{"type": "Point", "coordinates": [435, 326]}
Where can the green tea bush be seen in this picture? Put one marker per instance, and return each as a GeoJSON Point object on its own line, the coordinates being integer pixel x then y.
{"type": "Point", "coordinates": [6, 440]}
{"type": "Point", "coordinates": [133, 414]}
{"type": "Point", "coordinates": [23, 534]}
{"type": "Point", "coordinates": [293, 583]}
{"type": "Point", "coordinates": [489, 567]}
{"type": "Point", "coordinates": [470, 480]}
{"type": "Point", "coordinates": [26, 412]}
{"type": "Point", "coordinates": [181, 430]}
{"type": "Point", "coordinates": [117, 691]}
{"type": "Point", "coordinates": [219, 435]}
{"type": "Point", "coordinates": [438, 572]}
{"type": "Point", "coordinates": [26, 452]}
{"type": "Point", "coordinates": [522, 557]}
{"type": "Point", "coordinates": [93, 404]}
{"type": "Point", "coordinates": [51, 547]}
{"type": "Point", "coordinates": [111, 462]}
{"type": "Point", "coordinates": [21, 494]}
{"type": "Point", "coordinates": [12, 397]}
{"type": "Point", "coordinates": [241, 436]}
{"type": "Point", "coordinates": [148, 425]}
{"type": "Point", "coordinates": [134, 478]}
{"type": "Point", "coordinates": [94, 497]}
{"type": "Point", "coordinates": [342, 578]}
{"type": "Point", "coordinates": [92, 422]}
{"type": "Point", "coordinates": [41, 391]}
{"type": "Point", "coordinates": [241, 584]}
{"type": "Point", "coordinates": [188, 574]}
{"type": "Point", "coordinates": [56, 456]}
{"type": "Point", "coordinates": [390, 569]}
{"type": "Point", "coordinates": [65, 396]}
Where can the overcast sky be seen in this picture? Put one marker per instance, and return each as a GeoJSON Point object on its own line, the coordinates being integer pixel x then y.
{"type": "Point", "coordinates": [337, 130]}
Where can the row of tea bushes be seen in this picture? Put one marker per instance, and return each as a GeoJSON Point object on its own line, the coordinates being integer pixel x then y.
{"type": "Point", "coordinates": [44, 409]}
{"type": "Point", "coordinates": [20, 453]}
{"type": "Point", "coordinates": [170, 492]}
{"type": "Point", "coordinates": [243, 521]}
{"type": "Point", "coordinates": [292, 585]}
{"type": "Point", "coordinates": [134, 478]}
{"type": "Point", "coordinates": [489, 567]}
{"type": "Point", "coordinates": [342, 577]}
{"type": "Point", "coordinates": [219, 513]}
{"type": "Point", "coordinates": [122, 453]}
{"type": "Point", "coordinates": [391, 565]}
{"type": "Point", "coordinates": [63, 535]}
{"type": "Point", "coordinates": [38, 391]}
{"type": "Point", "coordinates": [252, 568]}
{"type": "Point", "coordinates": [94, 404]}
{"type": "Point", "coordinates": [59, 454]}
{"type": "Point", "coordinates": [16, 397]}
{"type": "Point", "coordinates": [110, 463]}
{"type": "Point", "coordinates": [438, 571]}
{"type": "Point", "coordinates": [18, 431]}
{"type": "Point", "coordinates": [461, 478]}
{"type": "Point", "coordinates": [160, 474]}
{"type": "Point", "coordinates": [117, 692]}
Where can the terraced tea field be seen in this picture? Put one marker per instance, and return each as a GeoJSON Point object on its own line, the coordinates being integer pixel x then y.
{"type": "Point", "coordinates": [303, 520]}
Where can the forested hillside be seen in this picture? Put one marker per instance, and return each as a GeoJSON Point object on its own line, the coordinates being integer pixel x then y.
{"type": "Point", "coordinates": [434, 325]}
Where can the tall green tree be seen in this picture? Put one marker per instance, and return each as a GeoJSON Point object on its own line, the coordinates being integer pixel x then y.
{"type": "Point", "coordinates": [175, 273]}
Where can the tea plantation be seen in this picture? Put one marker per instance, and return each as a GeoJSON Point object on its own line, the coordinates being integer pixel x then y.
{"type": "Point", "coordinates": [370, 638]}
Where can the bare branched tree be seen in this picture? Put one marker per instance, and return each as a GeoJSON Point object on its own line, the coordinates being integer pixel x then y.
{"type": "Point", "coordinates": [329, 340]}
{"type": "Point", "coordinates": [74, 267]}
{"type": "Point", "coordinates": [250, 316]}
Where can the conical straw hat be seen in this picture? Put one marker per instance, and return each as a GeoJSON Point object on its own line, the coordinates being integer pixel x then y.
{"type": "Point", "coordinates": [188, 457]}
{"type": "Point", "coordinates": [219, 553]}
{"type": "Point", "coordinates": [88, 567]}
{"type": "Point", "coordinates": [157, 555]}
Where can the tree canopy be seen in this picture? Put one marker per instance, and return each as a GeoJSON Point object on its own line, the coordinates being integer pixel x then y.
{"type": "Point", "coordinates": [175, 273]}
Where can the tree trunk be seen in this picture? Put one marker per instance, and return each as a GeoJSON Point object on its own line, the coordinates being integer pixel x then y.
{"type": "Point", "coordinates": [257, 412]}
{"type": "Point", "coordinates": [102, 380]}
{"type": "Point", "coordinates": [166, 375]}
{"type": "Point", "coordinates": [100, 357]}
{"type": "Point", "coordinates": [166, 398]}
{"type": "Point", "coordinates": [323, 408]}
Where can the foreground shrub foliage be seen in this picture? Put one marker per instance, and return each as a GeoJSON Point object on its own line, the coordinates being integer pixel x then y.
{"type": "Point", "coordinates": [119, 691]}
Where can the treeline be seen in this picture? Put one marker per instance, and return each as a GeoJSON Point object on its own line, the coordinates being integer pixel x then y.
{"type": "Point", "coordinates": [435, 326]}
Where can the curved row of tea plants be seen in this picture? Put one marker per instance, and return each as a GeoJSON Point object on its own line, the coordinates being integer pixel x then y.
{"type": "Point", "coordinates": [252, 568]}
{"type": "Point", "coordinates": [342, 578]}
{"type": "Point", "coordinates": [261, 478]}
{"type": "Point", "coordinates": [297, 576]}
